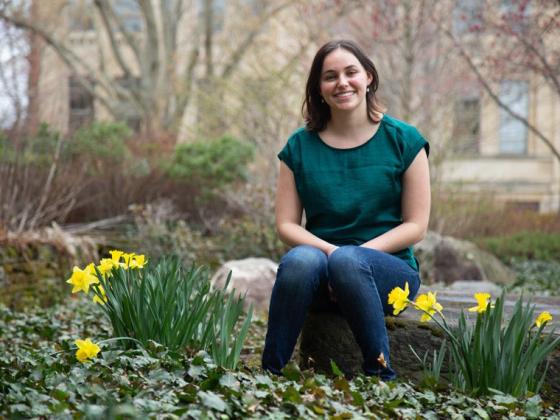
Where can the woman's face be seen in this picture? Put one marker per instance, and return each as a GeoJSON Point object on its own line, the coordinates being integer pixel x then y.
{"type": "Point", "coordinates": [343, 81]}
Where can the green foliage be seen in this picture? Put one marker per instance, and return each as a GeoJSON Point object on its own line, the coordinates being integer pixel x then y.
{"type": "Point", "coordinates": [38, 150]}
{"type": "Point", "coordinates": [234, 238]}
{"type": "Point", "coordinates": [101, 141]}
{"type": "Point", "coordinates": [432, 377]}
{"type": "Point", "coordinates": [40, 377]}
{"type": "Point", "coordinates": [536, 277]}
{"type": "Point", "coordinates": [509, 358]}
{"type": "Point", "coordinates": [212, 164]}
{"type": "Point", "coordinates": [526, 245]}
{"type": "Point", "coordinates": [176, 308]}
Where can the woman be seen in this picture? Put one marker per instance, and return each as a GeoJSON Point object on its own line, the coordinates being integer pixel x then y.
{"type": "Point", "coordinates": [362, 178]}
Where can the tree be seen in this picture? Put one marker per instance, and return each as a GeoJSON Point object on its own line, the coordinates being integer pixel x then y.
{"type": "Point", "coordinates": [521, 39]}
{"type": "Point", "coordinates": [154, 77]}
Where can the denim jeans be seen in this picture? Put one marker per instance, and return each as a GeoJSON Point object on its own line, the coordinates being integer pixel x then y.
{"type": "Point", "coordinates": [361, 279]}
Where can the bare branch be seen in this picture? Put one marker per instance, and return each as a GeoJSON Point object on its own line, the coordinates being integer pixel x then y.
{"type": "Point", "coordinates": [242, 48]}
{"type": "Point", "coordinates": [483, 82]}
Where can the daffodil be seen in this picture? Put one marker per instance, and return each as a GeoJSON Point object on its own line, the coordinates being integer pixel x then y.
{"type": "Point", "coordinates": [428, 303]}
{"type": "Point", "coordinates": [482, 299]}
{"type": "Point", "coordinates": [81, 280]}
{"type": "Point", "coordinates": [543, 318]}
{"type": "Point", "coordinates": [106, 266]}
{"type": "Point", "coordinates": [399, 298]}
{"type": "Point", "coordinates": [137, 261]}
{"type": "Point", "coordinates": [116, 255]}
{"type": "Point", "coordinates": [103, 299]}
{"type": "Point", "coordinates": [86, 350]}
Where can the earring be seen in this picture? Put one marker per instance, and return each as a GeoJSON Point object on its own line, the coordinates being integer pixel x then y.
{"type": "Point", "coordinates": [367, 89]}
{"type": "Point", "coordinates": [322, 100]}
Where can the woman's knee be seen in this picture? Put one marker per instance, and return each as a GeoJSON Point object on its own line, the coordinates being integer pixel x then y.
{"type": "Point", "coordinates": [344, 260]}
{"type": "Point", "coordinates": [302, 265]}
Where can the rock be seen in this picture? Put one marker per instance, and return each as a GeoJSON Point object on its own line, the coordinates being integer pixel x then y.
{"type": "Point", "coordinates": [327, 336]}
{"type": "Point", "coordinates": [254, 276]}
{"type": "Point", "coordinates": [475, 286]}
{"type": "Point", "coordinates": [446, 259]}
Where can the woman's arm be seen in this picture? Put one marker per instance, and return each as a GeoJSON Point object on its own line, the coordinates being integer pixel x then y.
{"type": "Point", "coordinates": [288, 214]}
{"type": "Point", "coordinates": [415, 203]}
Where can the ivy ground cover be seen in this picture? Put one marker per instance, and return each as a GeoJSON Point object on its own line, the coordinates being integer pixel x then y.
{"type": "Point", "coordinates": [41, 377]}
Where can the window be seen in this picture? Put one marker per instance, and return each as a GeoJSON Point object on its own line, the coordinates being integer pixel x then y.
{"type": "Point", "coordinates": [466, 127]}
{"type": "Point", "coordinates": [128, 11]}
{"type": "Point", "coordinates": [467, 15]}
{"type": "Point", "coordinates": [81, 105]}
{"type": "Point", "coordinates": [513, 133]}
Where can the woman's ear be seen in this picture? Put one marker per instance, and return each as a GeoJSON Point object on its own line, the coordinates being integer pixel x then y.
{"type": "Point", "coordinates": [369, 78]}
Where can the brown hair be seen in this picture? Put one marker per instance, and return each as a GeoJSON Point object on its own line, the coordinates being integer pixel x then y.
{"type": "Point", "coordinates": [315, 111]}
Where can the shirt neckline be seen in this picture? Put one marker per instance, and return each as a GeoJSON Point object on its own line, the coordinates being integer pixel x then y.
{"type": "Point", "coordinates": [355, 147]}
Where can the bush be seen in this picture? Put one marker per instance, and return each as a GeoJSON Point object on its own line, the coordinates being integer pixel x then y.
{"type": "Point", "coordinates": [101, 144]}
{"type": "Point", "coordinates": [211, 164]}
{"type": "Point", "coordinates": [542, 277]}
{"type": "Point", "coordinates": [524, 245]}
{"type": "Point", "coordinates": [473, 215]}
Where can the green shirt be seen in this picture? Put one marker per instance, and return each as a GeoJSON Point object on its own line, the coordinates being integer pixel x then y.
{"type": "Point", "coordinates": [351, 196]}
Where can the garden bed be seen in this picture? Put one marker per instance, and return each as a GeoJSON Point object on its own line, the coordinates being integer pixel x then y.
{"type": "Point", "coordinates": [40, 376]}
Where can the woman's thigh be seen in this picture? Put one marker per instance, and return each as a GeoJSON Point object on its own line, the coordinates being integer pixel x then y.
{"type": "Point", "coordinates": [386, 270]}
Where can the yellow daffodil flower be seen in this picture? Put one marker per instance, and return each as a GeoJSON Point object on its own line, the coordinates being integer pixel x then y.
{"type": "Point", "coordinates": [103, 299]}
{"type": "Point", "coordinates": [137, 261]}
{"type": "Point", "coordinates": [86, 350]}
{"type": "Point", "coordinates": [81, 280]}
{"type": "Point", "coordinates": [482, 299]}
{"type": "Point", "coordinates": [116, 255]}
{"type": "Point", "coordinates": [428, 303]}
{"type": "Point", "coordinates": [399, 298]}
{"type": "Point", "coordinates": [543, 318]}
{"type": "Point", "coordinates": [106, 266]}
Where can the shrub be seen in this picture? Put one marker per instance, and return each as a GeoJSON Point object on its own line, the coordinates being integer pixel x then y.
{"type": "Point", "coordinates": [167, 304]}
{"type": "Point", "coordinates": [100, 144]}
{"type": "Point", "coordinates": [37, 186]}
{"type": "Point", "coordinates": [525, 245]}
{"type": "Point", "coordinates": [533, 276]}
{"type": "Point", "coordinates": [211, 164]}
{"type": "Point", "coordinates": [473, 215]}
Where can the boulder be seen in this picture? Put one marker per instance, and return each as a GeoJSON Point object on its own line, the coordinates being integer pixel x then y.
{"type": "Point", "coordinates": [445, 259]}
{"type": "Point", "coordinates": [327, 336]}
{"type": "Point", "coordinates": [254, 276]}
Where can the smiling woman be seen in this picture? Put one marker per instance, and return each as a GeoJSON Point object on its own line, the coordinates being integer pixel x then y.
{"type": "Point", "coordinates": [362, 178]}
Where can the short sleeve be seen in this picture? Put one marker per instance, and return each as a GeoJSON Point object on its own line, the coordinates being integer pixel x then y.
{"type": "Point", "coordinates": [291, 152]}
{"type": "Point", "coordinates": [413, 143]}
{"type": "Point", "coordinates": [285, 156]}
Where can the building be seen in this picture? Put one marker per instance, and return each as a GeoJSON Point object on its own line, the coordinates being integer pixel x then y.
{"type": "Point", "coordinates": [492, 151]}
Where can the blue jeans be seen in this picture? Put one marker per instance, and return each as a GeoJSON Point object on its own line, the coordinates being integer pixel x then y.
{"type": "Point", "coordinates": [361, 279]}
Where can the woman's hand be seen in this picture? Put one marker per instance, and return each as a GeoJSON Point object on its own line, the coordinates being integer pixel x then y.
{"type": "Point", "coordinates": [331, 249]}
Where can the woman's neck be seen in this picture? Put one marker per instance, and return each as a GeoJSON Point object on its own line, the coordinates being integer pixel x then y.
{"type": "Point", "coordinates": [348, 124]}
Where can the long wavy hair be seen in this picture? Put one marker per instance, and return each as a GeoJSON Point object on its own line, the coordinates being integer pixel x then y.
{"type": "Point", "coordinates": [316, 112]}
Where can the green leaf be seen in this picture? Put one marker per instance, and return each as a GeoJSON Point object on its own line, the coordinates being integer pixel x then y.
{"type": "Point", "coordinates": [291, 395]}
{"type": "Point", "coordinates": [229, 381]}
{"type": "Point", "coordinates": [213, 401]}
{"type": "Point", "coordinates": [335, 370]}
{"type": "Point", "coordinates": [292, 372]}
